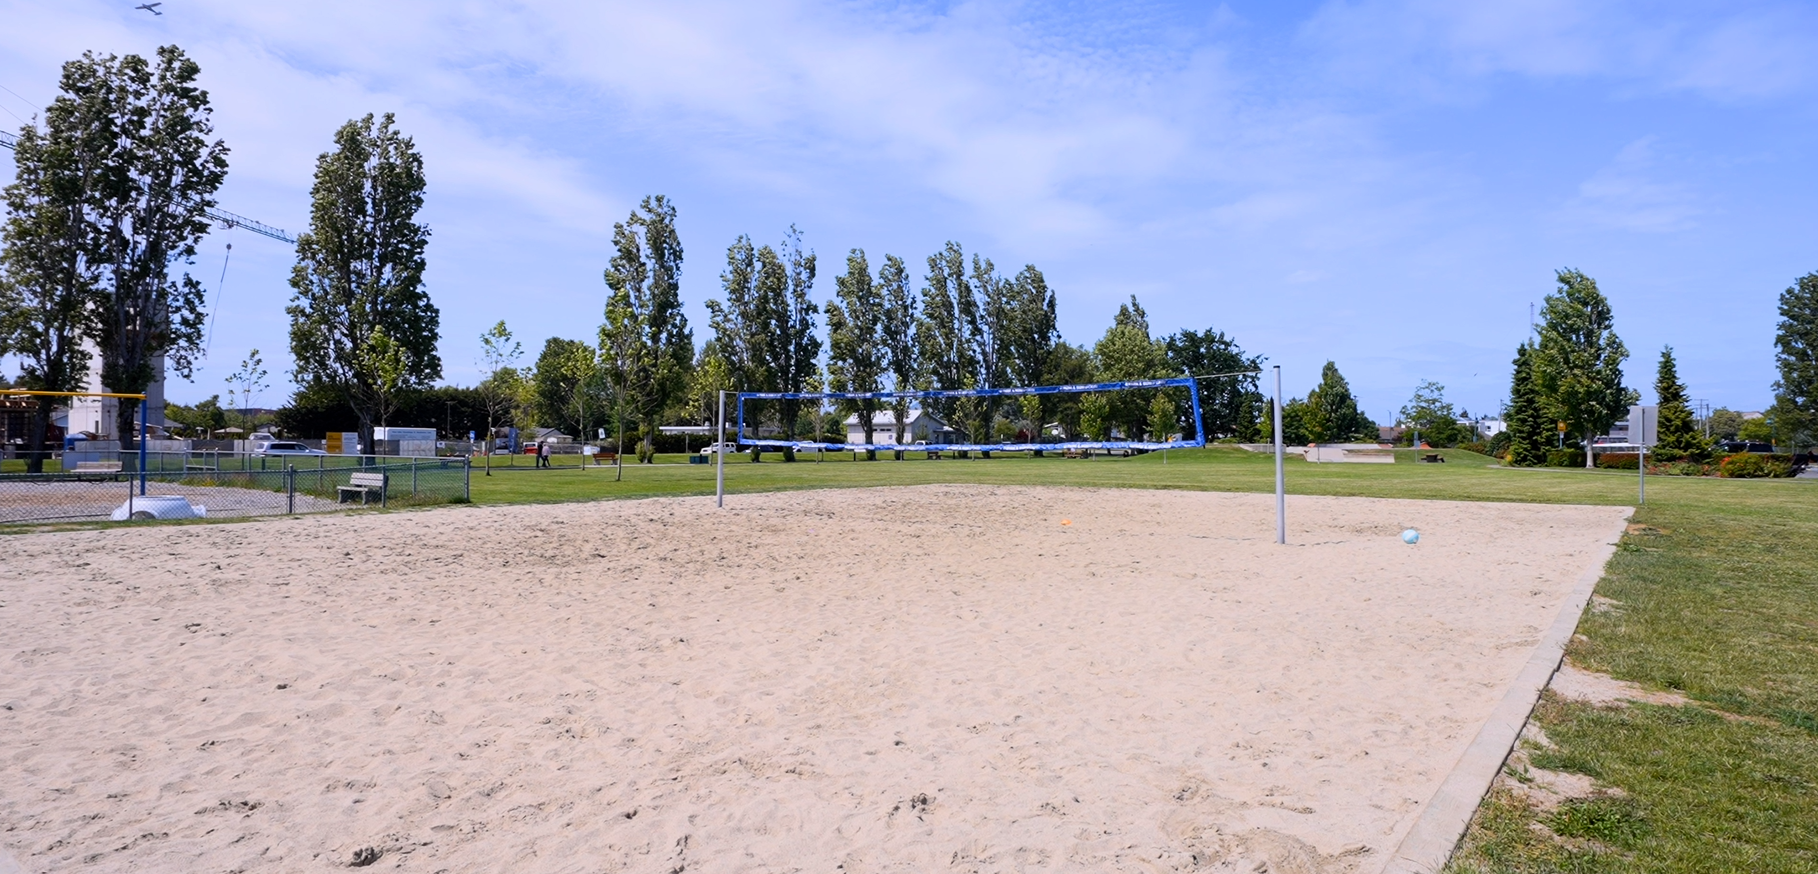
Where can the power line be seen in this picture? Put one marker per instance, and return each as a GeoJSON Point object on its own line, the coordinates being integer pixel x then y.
{"type": "Point", "coordinates": [223, 217]}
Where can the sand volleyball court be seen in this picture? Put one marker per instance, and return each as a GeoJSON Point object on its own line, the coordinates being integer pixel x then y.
{"type": "Point", "coordinates": [914, 679]}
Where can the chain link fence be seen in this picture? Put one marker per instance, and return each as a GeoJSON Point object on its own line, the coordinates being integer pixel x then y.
{"type": "Point", "coordinates": [219, 485]}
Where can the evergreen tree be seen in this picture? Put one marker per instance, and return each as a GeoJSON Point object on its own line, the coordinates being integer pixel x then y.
{"type": "Point", "coordinates": [1796, 354]}
{"type": "Point", "coordinates": [645, 342]}
{"type": "Point", "coordinates": [1678, 437]}
{"type": "Point", "coordinates": [1332, 415]}
{"type": "Point", "coordinates": [360, 322]}
{"type": "Point", "coordinates": [1579, 368]}
{"type": "Point", "coordinates": [1526, 416]}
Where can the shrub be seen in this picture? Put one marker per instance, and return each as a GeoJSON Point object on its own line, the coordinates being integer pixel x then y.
{"type": "Point", "coordinates": [1477, 447]}
{"type": "Point", "coordinates": [1618, 460]}
{"type": "Point", "coordinates": [1743, 465]}
{"type": "Point", "coordinates": [1499, 444]}
{"type": "Point", "coordinates": [1680, 468]}
{"type": "Point", "coordinates": [1565, 458]}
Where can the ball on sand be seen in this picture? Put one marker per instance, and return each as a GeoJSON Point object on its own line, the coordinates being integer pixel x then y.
{"type": "Point", "coordinates": [1410, 536]}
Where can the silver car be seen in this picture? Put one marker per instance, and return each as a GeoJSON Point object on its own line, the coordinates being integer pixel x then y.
{"type": "Point", "coordinates": [281, 447]}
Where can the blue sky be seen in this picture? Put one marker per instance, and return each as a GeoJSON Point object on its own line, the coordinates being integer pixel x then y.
{"type": "Point", "coordinates": [1385, 184]}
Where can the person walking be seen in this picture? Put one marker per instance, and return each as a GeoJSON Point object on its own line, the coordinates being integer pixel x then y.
{"type": "Point", "coordinates": [543, 454]}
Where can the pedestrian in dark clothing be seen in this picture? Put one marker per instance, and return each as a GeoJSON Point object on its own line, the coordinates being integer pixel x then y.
{"type": "Point", "coordinates": [542, 455]}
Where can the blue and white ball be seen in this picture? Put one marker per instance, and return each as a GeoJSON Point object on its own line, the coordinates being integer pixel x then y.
{"type": "Point", "coordinates": [1410, 537]}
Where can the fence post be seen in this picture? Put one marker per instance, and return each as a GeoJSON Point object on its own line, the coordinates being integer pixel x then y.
{"type": "Point", "coordinates": [467, 480]}
{"type": "Point", "coordinates": [413, 476]}
{"type": "Point", "coordinates": [290, 489]}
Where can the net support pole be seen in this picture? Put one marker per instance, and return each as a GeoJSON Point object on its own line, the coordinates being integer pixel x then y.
{"type": "Point", "coordinates": [144, 432]}
{"type": "Point", "coordinates": [719, 455]}
{"type": "Point", "coordinates": [1281, 500]}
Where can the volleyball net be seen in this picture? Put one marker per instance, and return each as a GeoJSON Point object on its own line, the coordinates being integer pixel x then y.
{"type": "Point", "coordinates": [983, 405]}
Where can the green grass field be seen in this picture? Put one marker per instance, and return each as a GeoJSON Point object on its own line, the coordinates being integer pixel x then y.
{"type": "Point", "coordinates": [1717, 598]}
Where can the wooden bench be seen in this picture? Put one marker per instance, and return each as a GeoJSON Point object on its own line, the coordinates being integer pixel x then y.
{"type": "Point", "coordinates": [364, 485]}
{"type": "Point", "coordinates": [1433, 458]}
{"type": "Point", "coordinates": [1073, 453]}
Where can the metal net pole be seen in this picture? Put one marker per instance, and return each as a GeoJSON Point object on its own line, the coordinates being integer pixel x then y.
{"type": "Point", "coordinates": [719, 455]}
{"type": "Point", "coordinates": [1281, 500]}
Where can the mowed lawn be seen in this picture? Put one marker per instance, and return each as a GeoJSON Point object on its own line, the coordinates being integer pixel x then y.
{"type": "Point", "coordinates": [1716, 597]}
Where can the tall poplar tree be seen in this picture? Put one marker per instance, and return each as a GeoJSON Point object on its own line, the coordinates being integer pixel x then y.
{"type": "Point", "coordinates": [947, 331]}
{"type": "Point", "coordinates": [903, 353]}
{"type": "Point", "coordinates": [1526, 417]}
{"type": "Point", "coordinates": [855, 338]}
{"type": "Point", "coordinates": [1579, 367]}
{"type": "Point", "coordinates": [1678, 437]}
{"type": "Point", "coordinates": [48, 275]}
{"type": "Point", "coordinates": [645, 342]}
{"type": "Point", "coordinates": [148, 205]}
{"type": "Point", "coordinates": [786, 311]}
{"type": "Point", "coordinates": [1796, 355]}
{"type": "Point", "coordinates": [361, 323]}
{"type": "Point", "coordinates": [739, 331]}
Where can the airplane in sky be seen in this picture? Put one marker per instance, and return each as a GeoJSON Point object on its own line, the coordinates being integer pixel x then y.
{"type": "Point", "coordinates": [151, 7]}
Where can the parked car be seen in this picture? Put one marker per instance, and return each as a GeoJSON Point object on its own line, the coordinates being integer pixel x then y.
{"type": "Point", "coordinates": [711, 448]}
{"type": "Point", "coordinates": [1728, 446]}
{"type": "Point", "coordinates": [283, 447]}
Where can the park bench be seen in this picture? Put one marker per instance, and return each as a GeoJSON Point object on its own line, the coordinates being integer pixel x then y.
{"type": "Point", "coordinates": [1073, 453]}
{"type": "Point", "coordinates": [1433, 458]}
{"type": "Point", "coordinates": [97, 467]}
{"type": "Point", "coordinates": [365, 485]}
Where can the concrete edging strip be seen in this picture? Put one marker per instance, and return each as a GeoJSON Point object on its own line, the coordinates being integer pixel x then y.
{"type": "Point", "coordinates": [1429, 844]}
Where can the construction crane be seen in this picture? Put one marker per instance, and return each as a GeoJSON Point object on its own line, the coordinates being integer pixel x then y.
{"type": "Point", "coordinates": [225, 218]}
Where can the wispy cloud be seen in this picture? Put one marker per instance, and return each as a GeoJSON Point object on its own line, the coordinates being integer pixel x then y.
{"type": "Point", "coordinates": [1629, 194]}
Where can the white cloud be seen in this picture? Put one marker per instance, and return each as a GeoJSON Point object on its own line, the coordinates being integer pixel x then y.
{"type": "Point", "coordinates": [1628, 194]}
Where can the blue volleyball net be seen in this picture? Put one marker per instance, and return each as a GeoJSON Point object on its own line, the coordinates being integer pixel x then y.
{"type": "Point", "coordinates": [1188, 383]}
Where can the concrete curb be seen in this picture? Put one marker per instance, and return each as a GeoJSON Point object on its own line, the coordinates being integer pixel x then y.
{"type": "Point", "coordinates": [1429, 844]}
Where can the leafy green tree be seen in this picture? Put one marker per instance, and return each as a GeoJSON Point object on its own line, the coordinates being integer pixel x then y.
{"type": "Point", "coordinates": [1724, 424]}
{"type": "Point", "coordinates": [740, 336]}
{"type": "Point", "coordinates": [1294, 415]}
{"type": "Point", "coordinates": [1231, 406]}
{"type": "Point", "coordinates": [1028, 335]}
{"type": "Point", "coordinates": [361, 322]}
{"type": "Point", "coordinates": [1164, 417]}
{"type": "Point", "coordinates": [855, 338]}
{"type": "Point", "coordinates": [1679, 437]}
{"type": "Point", "coordinates": [1095, 415]}
{"type": "Point", "coordinates": [1331, 414]}
{"type": "Point", "coordinates": [784, 285]}
{"type": "Point", "coordinates": [1069, 365]}
{"type": "Point", "coordinates": [1796, 355]}
{"type": "Point", "coordinates": [48, 275]}
{"type": "Point", "coordinates": [567, 388]}
{"type": "Point", "coordinates": [1756, 430]}
{"type": "Point", "coordinates": [502, 385]}
{"type": "Point", "coordinates": [1579, 366]}
{"type": "Point", "coordinates": [248, 381]}
{"type": "Point", "coordinates": [903, 355]}
{"type": "Point", "coordinates": [1429, 413]}
{"type": "Point", "coordinates": [712, 375]}
{"type": "Point", "coordinates": [146, 210]}
{"type": "Point", "coordinates": [1126, 352]}
{"type": "Point", "coordinates": [205, 417]}
{"type": "Point", "coordinates": [1526, 417]}
{"type": "Point", "coordinates": [645, 342]}
{"type": "Point", "coordinates": [947, 332]}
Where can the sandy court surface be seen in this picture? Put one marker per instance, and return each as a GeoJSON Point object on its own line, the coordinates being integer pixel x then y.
{"type": "Point", "coordinates": [913, 679]}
